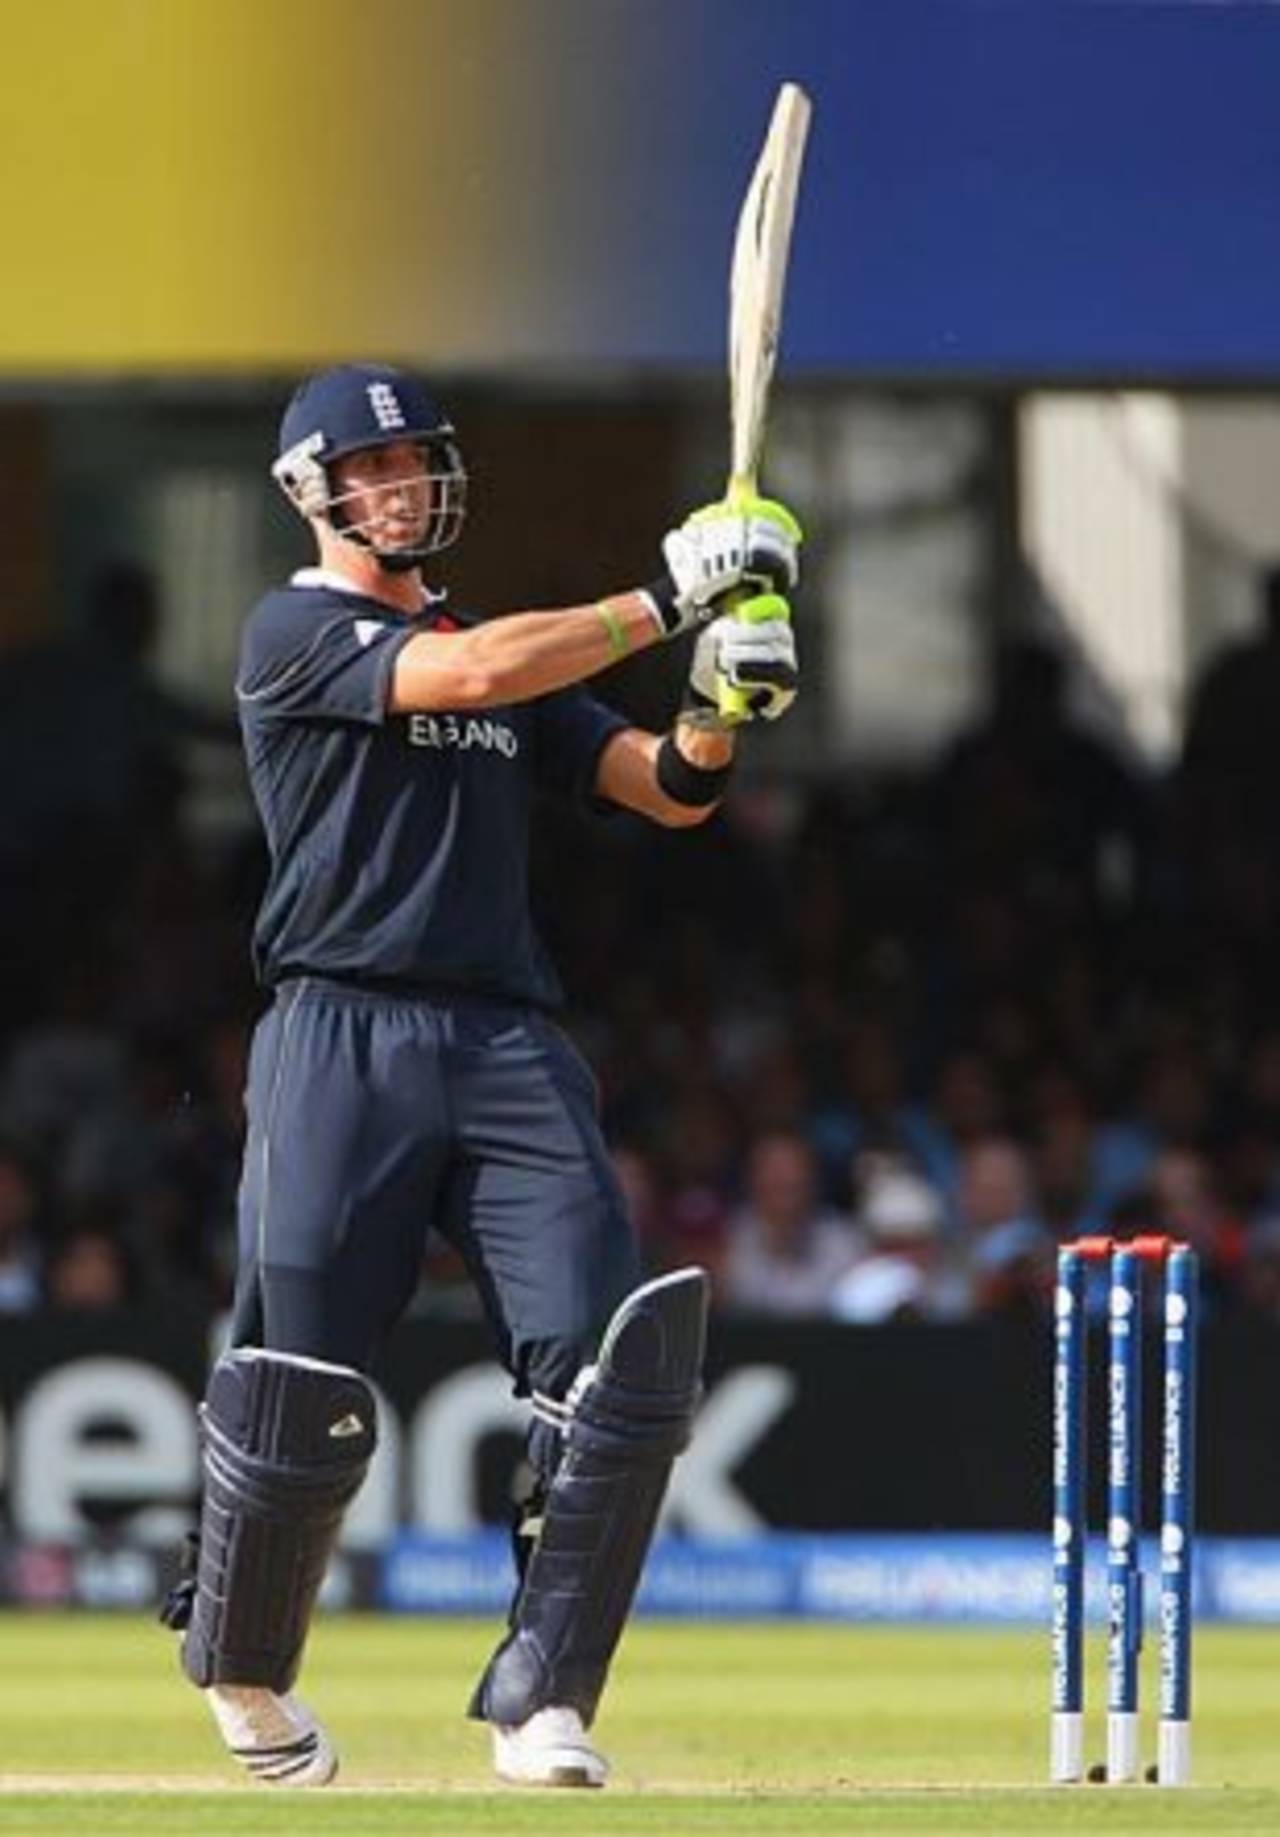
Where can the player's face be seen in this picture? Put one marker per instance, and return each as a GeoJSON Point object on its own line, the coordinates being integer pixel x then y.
{"type": "Point", "coordinates": [386, 493]}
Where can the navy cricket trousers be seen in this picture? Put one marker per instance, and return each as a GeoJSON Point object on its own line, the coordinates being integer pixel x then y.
{"type": "Point", "coordinates": [374, 1117]}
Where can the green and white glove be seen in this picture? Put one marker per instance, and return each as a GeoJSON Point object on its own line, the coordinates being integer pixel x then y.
{"type": "Point", "coordinates": [752, 651]}
{"type": "Point", "coordinates": [749, 546]}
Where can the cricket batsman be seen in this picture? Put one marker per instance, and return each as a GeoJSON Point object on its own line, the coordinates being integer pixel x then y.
{"type": "Point", "coordinates": [408, 1073]}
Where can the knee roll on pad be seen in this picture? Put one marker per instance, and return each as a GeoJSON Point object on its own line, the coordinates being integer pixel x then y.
{"type": "Point", "coordinates": [287, 1442]}
{"type": "Point", "coordinates": [629, 1416]}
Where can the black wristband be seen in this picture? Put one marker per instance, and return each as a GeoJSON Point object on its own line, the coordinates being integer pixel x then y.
{"type": "Point", "coordinates": [684, 783]}
{"type": "Point", "coordinates": [662, 593]}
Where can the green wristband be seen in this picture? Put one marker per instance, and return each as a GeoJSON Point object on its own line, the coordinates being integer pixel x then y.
{"type": "Point", "coordinates": [619, 643]}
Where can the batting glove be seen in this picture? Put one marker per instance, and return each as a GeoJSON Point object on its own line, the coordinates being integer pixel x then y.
{"type": "Point", "coordinates": [752, 650]}
{"type": "Point", "coordinates": [751, 545]}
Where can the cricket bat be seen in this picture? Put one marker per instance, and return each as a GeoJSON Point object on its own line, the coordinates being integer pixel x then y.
{"type": "Point", "coordinates": [757, 281]}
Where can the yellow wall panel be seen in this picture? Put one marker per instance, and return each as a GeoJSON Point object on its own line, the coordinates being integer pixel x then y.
{"type": "Point", "coordinates": [199, 183]}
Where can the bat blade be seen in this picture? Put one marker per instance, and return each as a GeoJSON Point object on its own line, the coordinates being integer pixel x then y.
{"type": "Point", "coordinates": [758, 280]}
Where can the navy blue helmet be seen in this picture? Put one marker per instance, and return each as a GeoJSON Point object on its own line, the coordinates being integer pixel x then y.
{"type": "Point", "coordinates": [353, 408]}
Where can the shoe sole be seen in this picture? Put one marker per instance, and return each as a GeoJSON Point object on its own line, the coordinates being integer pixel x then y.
{"type": "Point", "coordinates": [574, 1777]}
{"type": "Point", "coordinates": [290, 1781]}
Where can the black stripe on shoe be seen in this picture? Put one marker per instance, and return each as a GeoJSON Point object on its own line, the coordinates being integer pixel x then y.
{"type": "Point", "coordinates": [310, 1742]}
{"type": "Point", "coordinates": [282, 1773]}
{"type": "Point", "coordinates": [281, 1761]}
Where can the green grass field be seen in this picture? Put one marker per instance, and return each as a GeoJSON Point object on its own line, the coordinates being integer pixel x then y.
{"type": "Point", "coordinates": [740, 1729]}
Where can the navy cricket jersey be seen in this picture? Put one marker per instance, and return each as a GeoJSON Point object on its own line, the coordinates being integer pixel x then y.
{"type": "Point", "coordinates": [398, 842]}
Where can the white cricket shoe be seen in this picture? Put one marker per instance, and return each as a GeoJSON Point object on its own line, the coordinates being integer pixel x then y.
{"type": "Point", "coordinates": [275, 1738]}
{"type": "Point", "coordinates": [550, 1749]}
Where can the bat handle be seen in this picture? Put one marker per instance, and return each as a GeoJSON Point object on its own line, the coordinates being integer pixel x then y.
{"type": "Point", "coordinates": [755, 608]}
{"type": "Point", "coordinates": [733, 703]}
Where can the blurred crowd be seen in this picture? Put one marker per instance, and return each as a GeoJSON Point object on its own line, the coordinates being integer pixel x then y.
{"type": "Point", "coordinates": [868, 1050]}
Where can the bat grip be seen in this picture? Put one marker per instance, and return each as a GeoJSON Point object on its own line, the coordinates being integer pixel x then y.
{"type": "Point", "coordinates": [733, 703]}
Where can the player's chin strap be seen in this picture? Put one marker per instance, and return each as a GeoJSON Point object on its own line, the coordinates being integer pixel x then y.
{"type": "Point", "coordinates": [628, 1416]}
{"type": "Point", "coordinates": [391, 561]}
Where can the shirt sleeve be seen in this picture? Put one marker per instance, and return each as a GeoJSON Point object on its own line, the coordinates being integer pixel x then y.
{"type": "Point", "coordinates": [307, 656]}
{"type": "Point", "coordinates": [571, 730]}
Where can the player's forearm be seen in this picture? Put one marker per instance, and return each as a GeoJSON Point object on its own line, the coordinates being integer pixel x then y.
{"type": "Point", "coordinates": [631, 773]}
{"type": "Point", "coordinates": [520, 655]}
